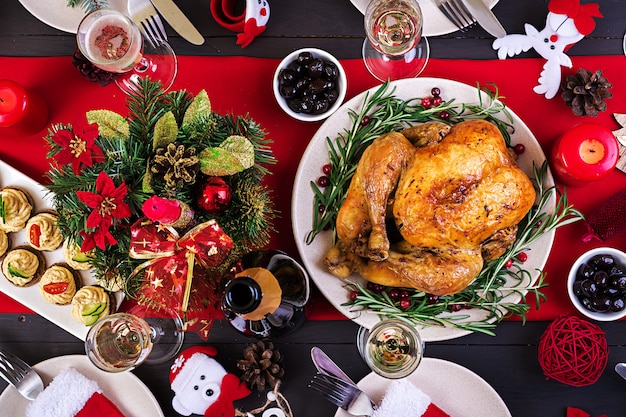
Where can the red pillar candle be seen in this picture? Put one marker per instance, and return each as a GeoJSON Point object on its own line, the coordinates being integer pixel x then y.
{"type": "Point", "coordinates": [21, 111]}
{"type": "Point", "coordinates": [587, 152]}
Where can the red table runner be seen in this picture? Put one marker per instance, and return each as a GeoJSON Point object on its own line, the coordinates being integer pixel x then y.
{"type": "Point", "coordinates": [242, 85]}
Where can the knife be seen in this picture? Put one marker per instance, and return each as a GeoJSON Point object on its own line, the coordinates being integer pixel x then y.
{"type": "Point", "coordinates": [178, 21]}
{"type": "Point", "coordinates": [620, 368]}
{"type": "Point", "coordinates": [326, 366]}
{"type": "Point", "coordinates": [485, 17]}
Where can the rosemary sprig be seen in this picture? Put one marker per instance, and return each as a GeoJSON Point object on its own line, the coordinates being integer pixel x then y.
{"type": "Point", "coordinates": [495, 284]}
{"type": "Point", "coordinates": [384, 112]}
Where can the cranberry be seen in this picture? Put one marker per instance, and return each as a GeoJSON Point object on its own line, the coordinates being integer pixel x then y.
{"type": "Point", "coordinates": [323, 181]}
{"type": "Point", "coordinates": [365, 121]}
{"type": "Point", "coordinates": [432, 298]}
{"type": "Point", "coordinates": [437, 101]}
{"type": "Point", "coordinates": [326, 169]}
{"type": "Point", "coordinates": [405, 303]}
{"type": "Point", "coordinates": [321, 208]}
{"type": "Point", "coordinates": [394, 294]}
{"type": "Point", "coordinates": [375, 288]}
{"type": "Point", "coordinates": [405, 294]}
{"type": "Point", "coordinates": [456, 307]}
{"type": "Point", "coordinates": [522, 257]}
{"type": "Point", "coordinates": [436, 92]}
{"type": "Point", "coordinates": [427, 102]}
{"type": "Point", "coordinates": [353, 295]}
{"type": "Point", "coordinates": [519, 148]}
{"type": "Point", "coordinates": [508, 263]}
{"type": "Point", "coordinates": [444, 115]}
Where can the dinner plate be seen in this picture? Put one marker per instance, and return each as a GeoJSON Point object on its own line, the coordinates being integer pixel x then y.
{"type": "Point", "coordinates": [453, 388]}
{"type": "Point", "coordinates": [435, 22]}
{"type": "Point", "coordinates": [316, 156]}
{"type": "Point", "coordinates": [59, 15]}
{"type": "Point", "coordinates": [31, 296]}
{"type": "Point", "coordinates": [124, 389]}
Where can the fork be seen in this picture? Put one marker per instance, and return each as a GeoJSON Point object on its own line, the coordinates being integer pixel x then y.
{"type": "Point", "coordinates": [19, 374]}
{"type": "Point", "coordinates": [456, 12]}
{"type": "Point", "coordinates": [343, 394]}
{"type": "Point", "coordinates": [145, 16]}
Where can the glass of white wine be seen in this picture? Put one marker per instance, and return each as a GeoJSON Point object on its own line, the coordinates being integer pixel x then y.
{"type": "Point", "coordinates": [394, 47]}
{"type": "Point", "coordinates": [123, 341]}
{"type": "Point", "coordinates": [392, 348]}
{"type": "Point", "coordinates": [112, 42]}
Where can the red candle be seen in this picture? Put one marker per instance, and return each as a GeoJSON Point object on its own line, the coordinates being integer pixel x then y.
{"type": "Point", "coordinates": [161, 210]}
{"type": "Point", "coordinates": [587, 152]}
{"type": "Point", "coordinates": [21, 111]}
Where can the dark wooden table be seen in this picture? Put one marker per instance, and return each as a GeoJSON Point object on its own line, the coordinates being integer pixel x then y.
{"type": "Point", "coordinates": [508, 361]}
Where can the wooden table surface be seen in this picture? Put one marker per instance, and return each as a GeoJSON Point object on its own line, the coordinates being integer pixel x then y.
{"type": "Point", "coordinates": [508, 361]}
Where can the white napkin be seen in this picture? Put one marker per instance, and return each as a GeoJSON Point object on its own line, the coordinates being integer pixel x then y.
{"type": "Point", "coordinates": [405, 399]}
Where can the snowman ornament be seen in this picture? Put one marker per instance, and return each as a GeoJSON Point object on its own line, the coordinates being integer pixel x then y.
{"type": "Point", "coordinates": [567, 22]}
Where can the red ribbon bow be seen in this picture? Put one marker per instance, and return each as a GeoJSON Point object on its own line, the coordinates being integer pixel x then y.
{"type": "Point", "coordinates": [174, 262]}
{"type": "Point", "coordinates": [582, 14]}
{"type": "Point", "coordinates": [577, 412]}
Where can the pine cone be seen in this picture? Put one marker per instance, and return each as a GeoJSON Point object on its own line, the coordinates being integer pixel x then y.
{"type": "Point", "coordinates": [90, 71]}
{"type": "Point", "coordinates": [175, 165]}
{"type": "Point", "coordinates": [262, 365]}
{"type": "Point", "coordinates": [585, 92]}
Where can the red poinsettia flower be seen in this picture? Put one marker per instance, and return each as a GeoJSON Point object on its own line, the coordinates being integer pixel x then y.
{"type": "Point", "coordinates": [100, 237]}
{"type": "Point", "coordinates": [107, 204]}
{"type": "Point", "coordinates": [78, 146]}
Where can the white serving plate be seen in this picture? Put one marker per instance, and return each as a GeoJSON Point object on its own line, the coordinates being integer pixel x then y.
{"type": "Point", "coordinates": [57, 14]}
{"type": "Point", "coordinates": [316, 155]}
{"type": "Point", "coordinates": [453, 388]}
{"type": "Point", "coordinates": [124, 389]}
{"type": "Point", "coordinates": [31, 296]}
{"type": "Point", "coordinates": [435, 22]}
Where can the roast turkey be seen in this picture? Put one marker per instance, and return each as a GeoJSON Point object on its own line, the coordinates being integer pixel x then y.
{"type": "Point", "coordinates": [428, 206]}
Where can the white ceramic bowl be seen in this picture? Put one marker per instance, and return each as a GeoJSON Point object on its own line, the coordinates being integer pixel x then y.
{"type": "Point", "coordinates": [620, 259]}
{"type": "Point", "coordinates": [341, 84]}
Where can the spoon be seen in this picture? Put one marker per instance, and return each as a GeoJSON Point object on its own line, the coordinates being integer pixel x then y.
{"type": "Point", "coordinates": [620, 368]}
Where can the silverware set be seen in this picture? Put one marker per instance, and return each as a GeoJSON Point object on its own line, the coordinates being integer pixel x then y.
{"type": "Point", "coordinates": [464, 13]}
{"type": "Point", "coordinates": [19, 374]}
{"type": "Point", "coordinates": [343, 394]}
{"type": "Point", "coordinates": [456, 12]}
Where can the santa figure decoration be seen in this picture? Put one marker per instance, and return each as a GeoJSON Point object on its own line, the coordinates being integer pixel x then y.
{"type": "Point", "coordinates": [567, 22]}
{"type": "Point", "coordinates": [250, 24]}
{"type": "Point", "coordinates": [202, 386]}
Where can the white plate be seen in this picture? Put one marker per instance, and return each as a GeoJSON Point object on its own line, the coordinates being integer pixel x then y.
{"type": "Point", "coordinates": [316, 155]}
{"type": "Point", "coordinates": [57, 14]}
{"type": "Point", "coordinates": [124, 389]}
{"type": "Point", "coordinates": [30, 296]}
{"type": "Point", "coordinates": [453, 388]}
{"type": "Point", "coordinates": [435, 22]}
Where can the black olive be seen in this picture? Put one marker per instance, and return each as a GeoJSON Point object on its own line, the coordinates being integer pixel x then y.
{"type": "Point", "coordinates": [319, 85]}
{"type": "Point", "coordinates": [294, 104]}
{"type": "Point", "coordinates": [620, 282]}
{"type": "Point", "coordinates": [589, 287]}
{"type": "Point", "coordinates": [302, 84]}
{"type": "Point", "coordinates": [296, 68]}
{"type": "Point", "coordinates": [617, 304]}
{"type": "Point", "coordinates": [286, 76]}
{"type": "Point", "coordinates": [601, 303]}
{"type": "Point", "coordinates": [321, 106]}
{"type": "Point", "coordinates": [307, 105]}
{"type": "Point", "coordinates": [601, 278]}
{"type": "Point", "coordinates": [332, 95]}
{"type": "Point", "coordinates": [616, 271]}
{"type": "Point", "coordinates": [304, 58]}
{"type": "Point", "coordinates": [602, 261]}
{"type": "Point", "coordinates": [586, 302]}
{"type": "Point", "coordinates": [585, 271]}
{"type": "Point", "coordinates": [331, 71]}
{"type": "Point", "coordinates": [315, 68]}
{"type": "Point", "coordinates": [611, 291]}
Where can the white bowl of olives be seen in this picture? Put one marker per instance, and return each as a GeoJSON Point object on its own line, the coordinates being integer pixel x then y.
{"type": "Point", "coordinates": [309, 84]}
{"type": "Point", "coordinates": [597, 284]}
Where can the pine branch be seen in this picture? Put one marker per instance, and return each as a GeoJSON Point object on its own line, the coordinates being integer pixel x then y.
{"type": "Point", "coordinates": [88, 5]}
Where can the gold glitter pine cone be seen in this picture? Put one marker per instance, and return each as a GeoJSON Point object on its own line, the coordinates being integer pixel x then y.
{"type": "Point", "coordinates": [262, 365]}
{"type": "Point", "coordinates": [585, 92]}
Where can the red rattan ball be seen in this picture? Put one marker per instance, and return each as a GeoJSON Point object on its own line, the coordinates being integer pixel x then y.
{"type": "Point", "coordinates": [573, 351]}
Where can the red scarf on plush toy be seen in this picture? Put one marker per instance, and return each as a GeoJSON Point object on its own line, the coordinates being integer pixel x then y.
{"type": "Point", "coordinates": [232, 390]}
{"type": "Point", "coordinates": [582, 14]}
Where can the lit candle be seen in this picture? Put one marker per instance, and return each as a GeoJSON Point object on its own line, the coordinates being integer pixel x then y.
{"type": "Point", "coordinates": [21, 111]}
{"type": "Point", "coordinates": [587, 152]}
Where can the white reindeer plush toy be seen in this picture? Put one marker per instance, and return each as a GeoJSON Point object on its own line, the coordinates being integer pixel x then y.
{"type": "Point", "coordinates": [567, 22]}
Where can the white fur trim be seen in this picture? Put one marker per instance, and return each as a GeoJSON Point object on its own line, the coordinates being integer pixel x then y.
{"type": "Point", "coordinates": [403, 399]}
{"type": "Point", "coordinates": [66, 395]}
{"type": "Point", "coordinates": [194, 362]}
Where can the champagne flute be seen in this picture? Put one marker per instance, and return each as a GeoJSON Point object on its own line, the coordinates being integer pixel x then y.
{"type": "Point", "coordinates": [112, 42]}
{"type": "Point", "coordinates": [123, 341]}
{"type": "Point", "coordinates": [392, 348]}
{"type": "Point", "coordinates": [394, 47]}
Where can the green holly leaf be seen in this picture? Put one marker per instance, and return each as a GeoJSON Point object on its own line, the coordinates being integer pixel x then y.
{"type": "Point", "coordinates": [241, 148]}
{"type": "Point", "coordinates": [200, 106]}
{"type": "Point", "coordinates": [110, 124]}
{"type": "Point", "coordinates": [219, 162]}
{"type": "Point", "coordinates": [165, 131]}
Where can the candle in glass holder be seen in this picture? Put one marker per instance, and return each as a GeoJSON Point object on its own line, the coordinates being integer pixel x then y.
{"type": "Point", "coordinates": [587, 152]}
{"type": "Point", "coordinates": [21, 111]}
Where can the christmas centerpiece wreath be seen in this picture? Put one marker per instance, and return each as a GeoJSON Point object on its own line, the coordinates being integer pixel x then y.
{"type": "Point", "coordinates": [165, 201]}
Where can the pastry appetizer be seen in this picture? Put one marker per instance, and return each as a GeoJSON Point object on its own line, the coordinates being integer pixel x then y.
{"type": "Point", "coordinates": [58, 284]}
{"type": "Point", "coordinates": [89, 304]}
{"type": "Point", "coordinates": [42, 232]}
{"type": "Point", "coordinates": [5, 243]}
{"type": "Point", "coordinates": [23, 266]}
{"type": "Point", "coordinates": [75, 258]}
{"type": "Point", "coordinates": [16, 209]}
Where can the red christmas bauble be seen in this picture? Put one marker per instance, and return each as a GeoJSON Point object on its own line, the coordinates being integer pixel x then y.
{"type": "Point", "coordinates": [215, 195]}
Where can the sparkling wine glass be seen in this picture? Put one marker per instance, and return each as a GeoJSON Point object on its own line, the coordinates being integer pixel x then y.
{"type": "Point", "coordinates": [392, 348]}
{"type": "Point", "coordinates": [112, 42]}
{"type": "Point", "coordinates": [123, 341]}
{"type": "Point", "coordinates": [394, 47]}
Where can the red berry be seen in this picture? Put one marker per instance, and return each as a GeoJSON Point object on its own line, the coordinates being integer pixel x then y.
{"type": "Point", "coordinates": [456, 307]}
{"type": "Point", "coordinates": [321, 208]}
{"type": "Point", "coordinates": [427, 102]}
{"type": "Point", "coordinates": [519, 148]}
{"type": "Point", "coordinates": [432, 298]}
{"type": "Point", "coordinates": [375, 288]}
{"type": "Point", "coordinates": [405, 294]}
{"type": "Point", "coordinates": [508, 263]}
{"type": "Point", "coordinates": [323, 181]}
{"type": "Point", "coordinates": [327, 169]}
{"type": "Point", "coordinates": [365, 121]}
{"type": "Point", "coordinates": [522, 257]}
{"type": "Point", "coordinates": [353, 295]}
{"type": "Point", "coordinates": [444, 115]}
{"type": "Point", "coordinates": [435, 91]}
{"type": "Point", "coordinates": [394, 294]}
{"type": "Point", "coordinates": [405, 303]}
{"type": "Point", "coordinates": [437, 101]}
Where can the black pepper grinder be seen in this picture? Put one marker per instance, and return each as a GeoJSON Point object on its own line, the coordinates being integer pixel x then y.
{"type": "Point", "coordinates": [267, 298]}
